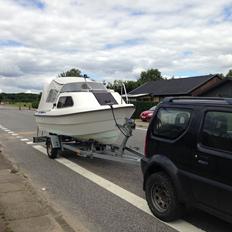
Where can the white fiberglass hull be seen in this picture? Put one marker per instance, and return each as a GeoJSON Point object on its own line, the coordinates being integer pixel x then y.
{"type": "Point", "coordinates": [98, 125]}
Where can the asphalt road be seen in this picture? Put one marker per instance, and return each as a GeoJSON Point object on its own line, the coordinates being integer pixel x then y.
{"type": "Point", "coordinates": [91, 204]}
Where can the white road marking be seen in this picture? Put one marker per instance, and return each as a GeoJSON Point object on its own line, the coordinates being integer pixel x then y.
{"type": "Point", "coordinates": [29, 142]}
{"type": "Point", "coordinates": [25, 139]}
{"type": "Point", "coordinates": [10, 132]}
{"type": "Point", "coordinates": [140, 128]}
{"type": "Point", "coordinates": [15, 134]}
{"type": "Point", "coordinates": [41, 149]}
{"type": "Point", "coordinates": [6, 130]}
{"type": "Point", "coordinates": [18, 137]}
{"type": "Point", "coordinates": [131, 198]}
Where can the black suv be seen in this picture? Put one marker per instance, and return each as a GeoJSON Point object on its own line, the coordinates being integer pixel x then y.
{"type": "Point", "coordinates": [188, 157]}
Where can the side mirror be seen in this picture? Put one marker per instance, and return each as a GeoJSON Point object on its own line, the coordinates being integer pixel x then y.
{"type": "Point", "coordinates": [54, 105]}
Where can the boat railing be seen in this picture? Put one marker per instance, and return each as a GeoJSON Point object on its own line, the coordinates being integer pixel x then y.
{"type": "Point", "coordinates": [123, 87]}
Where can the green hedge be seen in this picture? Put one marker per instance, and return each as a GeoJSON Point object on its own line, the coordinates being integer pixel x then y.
{"type": "Point", "coordinates": [35, 104]}
{"type": "Point", "coordinates": [141, 106]}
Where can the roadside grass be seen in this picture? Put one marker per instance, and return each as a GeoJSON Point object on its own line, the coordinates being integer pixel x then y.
{"type": "Point", "coordinates": [20, 105]}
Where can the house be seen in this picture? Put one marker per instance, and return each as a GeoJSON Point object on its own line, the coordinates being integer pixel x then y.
{"type": "Point", "coordinates": [155, 91]}
{"type": "Point", "coordinates": [220, 89]}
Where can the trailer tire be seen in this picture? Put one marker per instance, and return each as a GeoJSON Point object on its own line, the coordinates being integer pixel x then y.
{"type": "Point", "coordinates": [51, 152]}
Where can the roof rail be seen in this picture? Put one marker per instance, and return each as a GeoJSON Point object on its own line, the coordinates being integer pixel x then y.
{"type": "Point", "coordinates": [199, 99]}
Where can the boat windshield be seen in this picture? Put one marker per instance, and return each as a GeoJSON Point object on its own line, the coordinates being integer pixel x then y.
{"type": "Point", "coordinates": [83, 86]}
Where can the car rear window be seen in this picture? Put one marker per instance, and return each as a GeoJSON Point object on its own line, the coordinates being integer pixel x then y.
{"type": "Point", "coordinates": [217, 130]}
{"type": "Point", "coordinates": [170, 123]}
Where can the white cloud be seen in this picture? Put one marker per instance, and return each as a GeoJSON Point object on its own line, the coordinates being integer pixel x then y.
{"type": "Point", "coordinates": [111, 39]}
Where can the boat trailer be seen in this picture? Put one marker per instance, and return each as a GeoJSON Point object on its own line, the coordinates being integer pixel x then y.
{"type": "Point", "coordinates": [56, 144]}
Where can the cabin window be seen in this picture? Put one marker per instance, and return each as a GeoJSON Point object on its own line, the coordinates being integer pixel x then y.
{"type": "Point", "coordinates": [52, 95]}
{"type": "Point", "coordinates": [65, 102]}
{"type": "Point", "coordinates": [97, 86]}
{"type": "Point", "coordinates": [105, 98]}
{"type": "Point", "coordinates": [83, 87]}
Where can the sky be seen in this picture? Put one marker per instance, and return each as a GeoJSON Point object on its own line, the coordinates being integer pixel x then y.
{"type": "Point", "coordinates": [111, 39]}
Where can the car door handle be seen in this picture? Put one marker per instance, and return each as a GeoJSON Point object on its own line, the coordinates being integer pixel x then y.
{"type": "Point", "coordinates": [203, 162]}
{"type": "Point", "coordinates": [202, 159]}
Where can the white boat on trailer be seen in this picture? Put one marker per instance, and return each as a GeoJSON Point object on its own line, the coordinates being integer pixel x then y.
{"type": "Point", "coordinates": [81, 108]}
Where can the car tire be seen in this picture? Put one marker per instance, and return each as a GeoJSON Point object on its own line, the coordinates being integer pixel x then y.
{"type": "Point", "coordinates": [161, 197]}
{"type": "Point", "coordinates": [51, 152]}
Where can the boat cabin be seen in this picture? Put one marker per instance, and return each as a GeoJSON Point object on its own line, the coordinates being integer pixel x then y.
{"type": "Point", "coordinates": [83, 93]}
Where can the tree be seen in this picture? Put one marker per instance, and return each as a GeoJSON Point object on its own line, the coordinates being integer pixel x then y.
{"type": "Point", "coordinates": [131, 85]}
{"type": "Point", "coordinates": [74, 72]}
{"type": "Point", "coordinates": [229, 74]}
{"type": "Point", "coordinates": [117, 85]}
{"type": "Point", "coordinates": [149, 75]}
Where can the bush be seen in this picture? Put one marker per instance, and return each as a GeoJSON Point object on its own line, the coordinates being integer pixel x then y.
{"type": "Point", "coordinates": [141, 106]}
{"type": "Point", "coordinates": [35, 104]}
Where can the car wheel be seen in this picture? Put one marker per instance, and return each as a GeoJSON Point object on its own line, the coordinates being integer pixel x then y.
{"type": "Point", "coordinates": [161, 197]}
{"type": "Point", "coordinates": [52, 152]}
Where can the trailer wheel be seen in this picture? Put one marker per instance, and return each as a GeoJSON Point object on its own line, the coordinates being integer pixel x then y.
{"type": "Point", "coordinates": [52, 152]}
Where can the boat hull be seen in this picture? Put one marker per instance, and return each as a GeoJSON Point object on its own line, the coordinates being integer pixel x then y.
{"type": "Point", "coordinates": [97, 125]}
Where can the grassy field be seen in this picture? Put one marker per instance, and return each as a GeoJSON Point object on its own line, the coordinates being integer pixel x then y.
{"type": "Point", "coordinates": [22, 105]}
